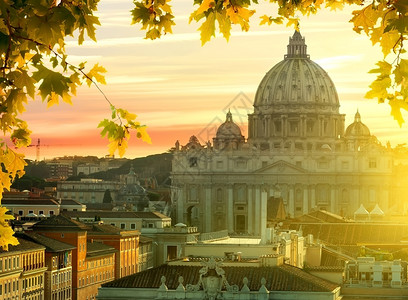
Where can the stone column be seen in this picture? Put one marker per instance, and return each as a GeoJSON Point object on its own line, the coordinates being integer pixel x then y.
{"type": "Point", "coordinates": [355, 199]}
{"type": "Point", "coordinates": [264, 208]}
{"type": "Point", "coordinates": [230, 209]}
{"type": "Point", "coordinates": [179, 195]}
{"type": "Point", "coordinates": [302, 126]}
{"type": "Point", "coordinates": [306, 200]}
{"type": "Point", "coordinates": [313, 196]}
{"type": "Point", "coordinates": [257, 209]}
{"type": "Point", "coordinates": [285, 125]}
{"type": "Point", "coordinates": [291, 201]}
{"type": "Point", "coordinates": [208, 207]}
{"type": "Point", "coordinates": [250, 210]}
{"type": "Point", "coordinates": [385, 197]}
{"type": "Point", "coordinates": [333, 200]}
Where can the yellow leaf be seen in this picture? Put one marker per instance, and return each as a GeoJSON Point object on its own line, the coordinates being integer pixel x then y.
{"type": "Point", "coordinates": [112, 146]}
{"type": "Point", "coordinates": [396, 106]}
{"type": "Point", "coordinates": [95, 73]}
{"type": "Point", "coordinates": [66, 97]}
{"type": "Point", "coordinates": [52, 99]}
{"type": "Point", "coordinates": [379, 88]}
{"type": "Point", "coordinates": [293, 22]}
{"type": "Point", "coordinates": [376, 35]}
{"type": "Point", "coordinates": [142, 134]}
{"type": "Point", "coordinates": [207, 28]}
{"type": "Point", "coordinates": [265, 19]}
{"type": "Point", "coordinates": [365, 19]}
{"type": "Point", "coordinates": [388, 41]}
{"type": "Point", "coordinates": [122, 146]}
{"type": "Point", "coordinates": [6, 232]}
{"type": "Point", "coordinates": [334, 4]}
{"type": "Point", "coordinates": [224, 24]}
{"type": "Point", "coordinates": [205, 5]}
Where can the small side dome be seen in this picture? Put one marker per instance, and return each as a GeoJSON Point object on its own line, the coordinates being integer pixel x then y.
{"type": "Point", "coordinates": [357, 128]}
{"type": "Point", "coordinates": [228, 135]}
{"type": "Point", "coordinates": [229, 129]}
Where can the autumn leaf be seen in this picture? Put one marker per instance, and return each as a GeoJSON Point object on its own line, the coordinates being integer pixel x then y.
{"type": "Point", "coordinates": [207, 28]}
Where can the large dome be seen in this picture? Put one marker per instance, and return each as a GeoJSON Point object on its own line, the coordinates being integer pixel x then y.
{"type": "Point", "coordinates": [297, 83]}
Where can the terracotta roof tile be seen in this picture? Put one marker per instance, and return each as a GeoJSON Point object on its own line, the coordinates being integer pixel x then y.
{"type": "Point", "coordinates": [98, 249]}
{"type": "Point", "coordinates": [60, 222]}
{"type": "Point", "coordinates": [23, 246]}
{"type": "Point", "coordinates": [50, 244]}
{"type": "Point", "coordinates": [280, 278]}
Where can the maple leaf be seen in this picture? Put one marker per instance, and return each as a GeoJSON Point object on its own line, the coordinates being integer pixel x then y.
{"type": "Point", "coordinates": [388, 41]}
{"type": "Point", "coordinates": [142, 134]}
{"type": "Point", "coordinates": [224, 24]}
{"type": "Point", "coordinates": [207, 28]}
{"type": "Point", "coordinates": [95, 73]}
{"type": "Point", "coordinates": [205, 5]}
{"type": "Point", "coordinates": [365, 19]}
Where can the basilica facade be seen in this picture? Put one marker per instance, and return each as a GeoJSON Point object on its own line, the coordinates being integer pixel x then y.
{"type": "Point", "coordinates": [298, 148]}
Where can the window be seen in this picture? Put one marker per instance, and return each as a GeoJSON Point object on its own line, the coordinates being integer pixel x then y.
{"type": "Point", "coordinates": [133, 226]}
{"type": "Point", "coordinates": [30, 212]}
{"type": "Point", "coordinates": [122, 225]}
{"type": "Point", "coordinates": [372, 163]}
{"type": "Point", "coordinates": [40, 212]}
{"type": "Point", "coordinates": [294, 126]}
{"type": "Point", "coordinates": [241, 164]}
{"type": "Point", "coordinates": [193, 161]}
{"type": "Point", "coordinates": [51, 212]}
{"type": "Point", "coordinates": [113, 224]}
{"type": "Point", "coordinates": [20, 212]}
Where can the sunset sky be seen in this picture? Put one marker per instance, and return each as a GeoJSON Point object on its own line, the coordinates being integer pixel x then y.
{"type": "Point", "coordinates": [178, 88]}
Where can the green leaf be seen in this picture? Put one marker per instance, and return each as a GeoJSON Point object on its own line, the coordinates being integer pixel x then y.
{"type": "Point", "coordinates": [140, 14]}
{"type": "Point", "coordinates": [51, 82]}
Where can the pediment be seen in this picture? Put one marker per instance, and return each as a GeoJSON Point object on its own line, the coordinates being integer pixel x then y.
{"type": "Point", "coordinates": [281, 167]}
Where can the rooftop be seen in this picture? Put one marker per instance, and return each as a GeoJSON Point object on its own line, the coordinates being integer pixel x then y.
{"type": "Point", "coordinates": [279, 278]}
{"type": "Point", "coordinates": [50, 244]}
{"type": "Point", "coordinates": [23, 246]}
{"type": "Point", "coordinates": [95, 249]}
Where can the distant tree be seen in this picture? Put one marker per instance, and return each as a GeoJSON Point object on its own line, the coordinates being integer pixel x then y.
{"type": "Point", "coordinates": [37, 169]}
{"type": "Point", "coordinates": [28, 182]}
{"type": "Point", "coordinates": [107, 197]}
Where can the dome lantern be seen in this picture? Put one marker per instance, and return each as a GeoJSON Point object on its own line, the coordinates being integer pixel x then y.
{"type": "Point", "coordinates": [297, 47]}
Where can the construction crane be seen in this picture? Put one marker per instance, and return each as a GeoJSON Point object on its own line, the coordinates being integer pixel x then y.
{"type": "Point", "coordinates": [37, 149]}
